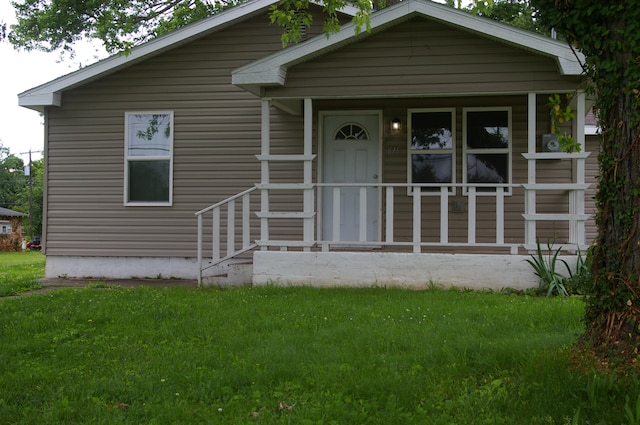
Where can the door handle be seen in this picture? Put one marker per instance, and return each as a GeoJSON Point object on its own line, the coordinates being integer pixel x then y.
{"type": "Point", "coordinates": [375, 176]}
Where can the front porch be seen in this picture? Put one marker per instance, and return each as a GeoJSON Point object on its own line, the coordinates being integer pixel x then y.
{"type": "Point", "coordinates": [421, 138]}
{"type": "Point", "coordinates": [467, 234]}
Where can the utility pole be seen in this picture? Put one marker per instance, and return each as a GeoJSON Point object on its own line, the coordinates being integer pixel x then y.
{"type": "Point", "coordinates": [28, 171]}
{"type": "Point", "coordinates": [30, 199]}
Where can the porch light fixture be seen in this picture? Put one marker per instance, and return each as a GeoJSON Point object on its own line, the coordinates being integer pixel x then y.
{"type": "Point", "coordinates": [396, 124]}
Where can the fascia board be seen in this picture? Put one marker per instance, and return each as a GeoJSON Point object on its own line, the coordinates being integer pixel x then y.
{"type": "Point", "coordinates": [571, 66]}
{"type": "Point", "coordinates": [39, 101]}
{"type": "Point", "coordinates": [271, 76]}
{"type": "Point", "coordinates": [265, 70]}
{"type": "Point", "coordinates": [34, 97]}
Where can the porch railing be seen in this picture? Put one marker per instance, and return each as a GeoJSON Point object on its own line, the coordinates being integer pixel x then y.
{"type": "Point", "coordinates": [418, 193]}
{"type": "Point", "coordinates": [236, 228]}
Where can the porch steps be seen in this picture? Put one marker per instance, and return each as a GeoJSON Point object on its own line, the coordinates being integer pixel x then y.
{"type": "Point", "coordinates": [239, 273]}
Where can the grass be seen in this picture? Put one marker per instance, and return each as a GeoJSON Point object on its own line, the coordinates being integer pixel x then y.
{"type": "Point", "coordinates": [104, 355]}
{"type": "Point", "coordinates": [19, 271]}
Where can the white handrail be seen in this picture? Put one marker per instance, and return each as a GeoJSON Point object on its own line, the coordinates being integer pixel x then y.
{"type": "Point", "coordinates": [231, 225]}
{"type": "Point", "coordinates": [232, 198]}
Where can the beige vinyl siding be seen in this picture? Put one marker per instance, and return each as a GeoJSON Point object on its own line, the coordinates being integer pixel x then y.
{"type": "Point", "coordinates": [216, 138]}
{"type": "Point", "coordinates": [423, 57]}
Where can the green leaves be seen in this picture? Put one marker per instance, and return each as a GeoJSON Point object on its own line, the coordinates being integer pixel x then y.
{"type": "Point", "coordinates": [51, 25]}
{"type": "Point", "coordinates": [560, 116]}
{"type": "Point", "coordinates": [293, 16]}
{"type": "Point", "coordinates": [552, 282]}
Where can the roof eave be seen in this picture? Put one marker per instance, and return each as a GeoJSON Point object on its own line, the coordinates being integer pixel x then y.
{"type": "Point", "coordinates": [271, 76]}
{"type": "Point", "coordinates": [38, 102]}
{"type": "Point", "coordinates": [571, 66]}
{"type": "Point", "coordinates": [49, 94]}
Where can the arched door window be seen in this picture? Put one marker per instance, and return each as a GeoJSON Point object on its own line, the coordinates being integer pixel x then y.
{"type": "Point", "coordinates": [351, 132]}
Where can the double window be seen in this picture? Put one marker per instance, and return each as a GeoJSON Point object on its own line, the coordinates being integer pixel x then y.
{"type": "Point", "coordinates": [486, 147]}
{"type": "Point", "coordinates": [148, 158]}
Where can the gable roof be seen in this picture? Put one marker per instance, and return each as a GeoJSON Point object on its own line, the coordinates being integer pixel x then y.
{"type": "Point", "coordinates": [50, 94]}
{"type": "Point", "coordinates": [6, 212]}
{"type": "Point", "coordinates": [272, 69]}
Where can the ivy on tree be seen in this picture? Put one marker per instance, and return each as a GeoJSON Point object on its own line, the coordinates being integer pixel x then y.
{"type": "Point", "coordinates": [609, 36]}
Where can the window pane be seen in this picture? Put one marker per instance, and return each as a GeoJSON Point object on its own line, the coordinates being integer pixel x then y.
{"type": "Point", "coordinates": [149, 181]}
{"type": "Point", "coordinates": [351, 132]}
{"type": "Point", "coordinates": [487, 168]}
{"type": "Point", "coordinates": [149, 134]}
{"type": "Point", "coordinates": [431, 168]}
{"type": "Point", "coordinates": [487, 129]}
{"type": "Point", "coordinates": [431, 130]}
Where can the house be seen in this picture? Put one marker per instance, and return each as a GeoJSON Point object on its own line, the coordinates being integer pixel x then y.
{"type": "Point", "coordinates": [414, 153]}
{"type": "Point", "coordinates": [11, 230]}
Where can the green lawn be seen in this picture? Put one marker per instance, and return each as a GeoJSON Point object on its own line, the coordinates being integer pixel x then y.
{"type": "Point", "coordinates": [19, 272]}
{"type": "Point", "coordinates": [104, 355]}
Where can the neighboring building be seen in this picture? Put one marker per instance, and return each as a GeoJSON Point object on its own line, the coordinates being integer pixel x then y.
{"type": "Point", "coordinates": [410, 154]}
{"type": "Point", "coordinates": [11, 230]}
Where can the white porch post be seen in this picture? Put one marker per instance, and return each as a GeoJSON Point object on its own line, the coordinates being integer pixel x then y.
{"type": "Point", "coordinates": [578, 122]}
{"type": "Point", "coordinates": [308, 201]}
{"type": "Point", "coordinates": [417, 219]}
{"type": "Point", "coordinates": [444, 214]}
{"type": "Point", "coordinates": [200, 250]}
{"type": "Point", "coordinates": [389, 215]}
{"type": "Point", "coordinates": [500, 215]}
{"type": "Point", "coordinates": [471, 215]}
{"type": "Point", "coordinates": [576, 197]}
{"type": "Point", "coordinates": [530, 195]}
{"type": "Point", "coordinates": [264, 172]}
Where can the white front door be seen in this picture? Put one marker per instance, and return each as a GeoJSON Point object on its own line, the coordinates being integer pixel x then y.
{"type": "Point", "coordinates": [350, 155]}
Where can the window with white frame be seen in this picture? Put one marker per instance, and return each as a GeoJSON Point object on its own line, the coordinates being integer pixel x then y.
{"type": "Point", "coordinates": [487, 147]}
{"type": "Point", "coordinates": [5, 227]}
{"type": "Point", "coordinates": [431, 150]}
{"type": "Point", "coordinates": [148, 158]}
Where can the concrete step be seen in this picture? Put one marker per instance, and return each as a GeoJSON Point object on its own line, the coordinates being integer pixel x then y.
{"type": "Point", "coordinates": [238, 274]}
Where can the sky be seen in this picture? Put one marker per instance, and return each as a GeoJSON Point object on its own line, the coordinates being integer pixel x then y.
{"type": "Point", "coordinates": [21, 129]}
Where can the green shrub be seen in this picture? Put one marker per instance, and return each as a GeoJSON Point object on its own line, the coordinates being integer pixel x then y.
{"type": "Point", "coordinates": [581, 279]}
{"type": "Point", "coordinates": [544, 266]}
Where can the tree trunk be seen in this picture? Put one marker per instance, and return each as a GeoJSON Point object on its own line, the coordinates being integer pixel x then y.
{"type": "Point", "coordinates": [613, 314]}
